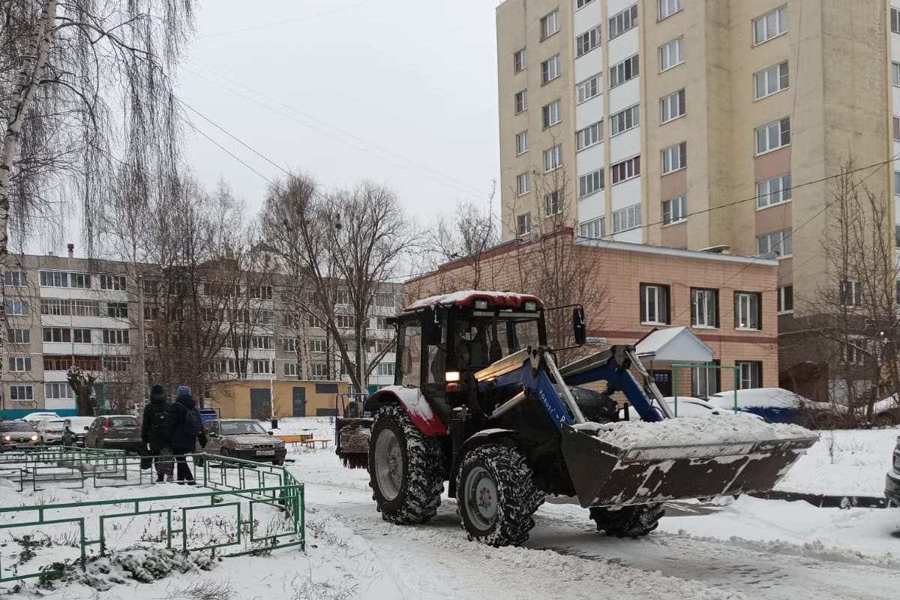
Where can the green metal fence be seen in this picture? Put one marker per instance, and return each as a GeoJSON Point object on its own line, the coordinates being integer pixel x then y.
{"type": "Point", "coordinates": [230, 485]}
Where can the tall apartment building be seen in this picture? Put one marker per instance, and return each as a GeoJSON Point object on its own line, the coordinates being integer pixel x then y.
{"type": "Point", "coordinates": [64, 311]}
{"type": "Point", "coordinates": [697, 124]}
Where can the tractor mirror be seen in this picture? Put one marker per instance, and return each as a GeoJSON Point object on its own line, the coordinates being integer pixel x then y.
{"type": "Point", "coordinates": [578, 326]}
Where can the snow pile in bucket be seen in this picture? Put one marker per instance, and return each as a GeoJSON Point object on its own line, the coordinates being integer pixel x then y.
{"type": "Point", "coordinates": [694, 431]}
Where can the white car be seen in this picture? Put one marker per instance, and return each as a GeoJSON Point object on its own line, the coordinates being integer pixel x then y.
{"type": "Point", "coordinates": [689, 406]}
{"type": "Point", "coordinates": [50, 431]}
{"type": "Point", "coordinates": [36, 417]}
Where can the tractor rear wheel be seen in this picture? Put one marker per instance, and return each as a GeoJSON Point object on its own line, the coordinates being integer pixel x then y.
{"type": "Point", "coordinates": [496, 495]}
{"type": "Point", "coordinates": [628, 521]}
{"type": "Point", "coordinates": [405, 469]}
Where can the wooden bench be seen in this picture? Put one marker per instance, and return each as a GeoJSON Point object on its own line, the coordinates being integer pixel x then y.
{"type": "Point", "coordinates": [300, 438]}
{"type": "Point", "coordinates": [311, 443]}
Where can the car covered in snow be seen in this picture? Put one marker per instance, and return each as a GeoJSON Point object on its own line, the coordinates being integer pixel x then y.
{"type": "Point", "coordinates": [892, 484]}
{"type": "Point", "coordinates": [778, 405]}
{"type": "Point", "coordinates": [245, 439]}
{"type": "Point", "coordinates": [50, 431]}
{"type": "Point", "coordinates": [38, 416]}
{"type": "Point", "coordinates": [15, 435]}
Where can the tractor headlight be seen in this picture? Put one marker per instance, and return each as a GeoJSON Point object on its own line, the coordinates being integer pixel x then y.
{"type": "Point", "coordinates": [7, 438]}
{"type": "Point", "coordinates": [530, 306]}
{"type": "Point", "coordinates": [481, 305]}
{"type": "Point", "coordinates": [451, 376]}
{"type": "Point", "coordinates": [34, 438]}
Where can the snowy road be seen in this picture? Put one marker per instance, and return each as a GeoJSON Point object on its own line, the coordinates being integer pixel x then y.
{"type": "Point", "coordinates": [565, 558]}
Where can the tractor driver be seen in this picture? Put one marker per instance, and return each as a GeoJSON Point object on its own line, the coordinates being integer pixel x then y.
{"type": "Point", "coordinates": [471, 344]}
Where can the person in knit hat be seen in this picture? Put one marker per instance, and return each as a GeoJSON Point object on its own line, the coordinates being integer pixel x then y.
{"type": "Point", "coordinates": [156, 432]}
{"type": "Point", "coordinates": [187, 429]}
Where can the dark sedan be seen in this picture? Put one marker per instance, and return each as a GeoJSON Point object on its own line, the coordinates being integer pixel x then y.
{"type": "Point", "coordinates": [118, 432]}
{"type": "Point", "coordinates": [17, 434]}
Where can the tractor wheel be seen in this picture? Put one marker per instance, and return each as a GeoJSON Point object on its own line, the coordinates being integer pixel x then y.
{"type": "Point", "coordinates": [405, 469]}
{"type": "Point", "coordinates": [628, 521]}
{"type": "Point", "coordinates": [496, 495]}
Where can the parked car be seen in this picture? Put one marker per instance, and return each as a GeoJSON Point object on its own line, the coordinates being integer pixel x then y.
{"type": "Point", "coordinates": [886, 413]}
{"type": "Point", "coordinates": [17, 434]}
{"type": "Point", "coordinates": [778, 405]}
{"type": "Point", "coordinates": [36, 417]}
{"type": "Point", "coordinates": [892, 484]}
{"type": "Point", "coordinates": [244, 438]}
{"type": "Point", "coordinates": [689, 406]}
{"type": "Point", "coordinates": [50, 431]}
{"type": "Point", "coordinates": [80, 427]}
{"type": "Point", "coordinates": [118, 432]}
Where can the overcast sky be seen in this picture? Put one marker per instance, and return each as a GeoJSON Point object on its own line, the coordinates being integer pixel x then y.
{"type": "Point", "coordinates": [399, 91]}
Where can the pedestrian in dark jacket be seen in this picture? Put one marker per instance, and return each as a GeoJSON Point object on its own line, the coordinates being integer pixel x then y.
{"type": "Point", "coordinates": [187, 429]}
{"type": "Point", "coordinates": [155, 433]}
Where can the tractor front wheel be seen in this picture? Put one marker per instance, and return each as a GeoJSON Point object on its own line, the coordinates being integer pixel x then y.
{"type": "Point", "coordinates": [496, 495]}
{"type": "Point", "coordinates": [405, 469]}
{"type": "Point", "coordinates": [628, 521]}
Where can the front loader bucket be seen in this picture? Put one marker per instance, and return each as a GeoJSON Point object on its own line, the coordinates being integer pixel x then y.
{"type": "Point", "coordinates": [634, 462]}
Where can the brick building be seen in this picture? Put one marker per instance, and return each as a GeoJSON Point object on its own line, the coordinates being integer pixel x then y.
{"type": "Point", "coordinates": [727, 302]}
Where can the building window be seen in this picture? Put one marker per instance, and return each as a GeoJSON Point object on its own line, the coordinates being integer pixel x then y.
{"type": "Point", "coordinates": [552, 203]}
{"type": "Point", "coordinates": [654, 304]}
{"type": "Point", "coordinates": [317, 345]}
{"type": "Point", "coordinates": [773, 191]}
{"type": "Point", "coordinates": [895, 20]}
{"type": "Point", "coordinates": [853, 352]}
{"type": "Point", "coordinates": [587, 89]}
{"type": "Point", "coordinates": [262, 366]}
{"type": "Point", "coordinates": [344, 321]}
{"type": "Point", "coordinates": [16, 308]}
{"type": "Point", "coordinates": [674, 158]}
{"type": "Point", "coordinates": [19, 364]}
{"type": "Point", "coordinates": [521, 101]}
{"type": "Point", "coordinates": [288, 344]}
{"type": "Point", "coordinates": [593, 229]}
{"type": "Point", "coordinates": [15, 279]}
{"type": "Point", "coordinates": [579, 4]}
{"type": "Point", "coordinates": [112, 282]}
{"type": "Point", "coordinates": [57, 335]}
{"type": "Point", "coordinates": [83, 336]}
{"type": "Point", "coordinates": [549, 25]}
{"type": "Point", "coordinates": [627, 218]}
{"type": "Point", "coordinates": [672, 106]}
{"type": "Point", "coordinates": [622, 21]}
{"type": "Point", "coordinates": [18, 336]}
{"type": "Point", "coordinates": [773, 135]}
{"type": "Point", "coordinates": [80, 280]}
{"type": "Point", "coordinates": [520, 60]}
{"type": "Point", "coordinates": [895, 121]}
{"type": "Point", "coordinates": [56, 278]}
{"type": "Point", "coordinates": [747, 310]}
{"type": "Point", "coordinates": [624, 71]}
{"type": "Point", "coordinates": [551, 114]}
{"type": "Point", "coordinates": [776, 243]}
{"type": "Point", "coordinates": [705, 381]}
{"type": "Point", "coordinates": [589, 136]}
{"type": "Point", "coordinates": [523, 224]}
{"type": "Point", "coordinates": [521, 142]}
{"type": "Point", "coordinates": [58, 391]}
{"type": "Point", "coordinates": [117, 310]}
{"type": "Point", "coordinates": [670, 54]}
{"type": "Point", "coordinates": [590, 183]}
{"type": "Point", "coordinates": [786, 299]}
{"type": "Point", "coordinates": [749, 374]}
{"type": "Point", "coordinates": [115, 337]}
{"type": "Point", "coordinates": [290, 369]}
{"type": "Point", "coordinates": [626, 169]}
{"type": "Point", "coordinates": [523, 184]}
{"type": "Point", "coordinates": [553, 158]}
{"type": "Point", "coordinates": [851, 294]}
{"type": "Point", "coordinates": [550, 69]}
{"type": "Point", "coordinates": [770, 81]}
{"type": "Point", "coordinates": [624, 120]}
{"type": "Point", "coordinates": [667, 8]}
{"type": "Point", "coordinates": [674, 210]}
{"type": "Point", "coordinates": [704, 307]}
{"type": "Point", "coordinates": [21, 393]}
{"type": "Point", "coordinates": [770, 25]}
{"type": "Point", "coordinates": [587, 41]}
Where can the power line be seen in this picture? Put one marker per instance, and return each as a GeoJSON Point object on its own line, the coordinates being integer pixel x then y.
{"type": "Point", "coordinates": [228, 152]}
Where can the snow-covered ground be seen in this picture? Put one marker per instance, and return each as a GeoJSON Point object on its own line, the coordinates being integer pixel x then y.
{"type": "Point", "coordinates": [749, 548]}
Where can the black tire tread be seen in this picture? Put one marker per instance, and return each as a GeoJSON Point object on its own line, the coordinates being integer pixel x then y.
{"type": "Point", "coordinates": [628, 521]}
{"type": "Point", "coordinates": [518, 496]}
{"type": "Point", "coordinates": [424, 471]}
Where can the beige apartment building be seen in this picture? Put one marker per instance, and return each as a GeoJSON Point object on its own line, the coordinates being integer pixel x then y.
{"type": "Point", "coordinates": [698, 124]}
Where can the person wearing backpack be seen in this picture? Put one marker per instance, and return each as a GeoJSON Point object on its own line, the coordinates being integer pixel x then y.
{"type": "Point", "coordinates": [156, 432]}
{"type": "Point", "coordinates": [186, 430]}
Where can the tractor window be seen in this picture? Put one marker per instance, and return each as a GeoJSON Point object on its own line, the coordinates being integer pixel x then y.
{"type": "Point", "coordinates": [410, 354]}
{"type": "Point", "coordinates": [524, 334]}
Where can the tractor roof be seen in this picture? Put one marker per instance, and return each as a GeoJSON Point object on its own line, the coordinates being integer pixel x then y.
{"type": "Point", "coordinates": [467, 298]}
